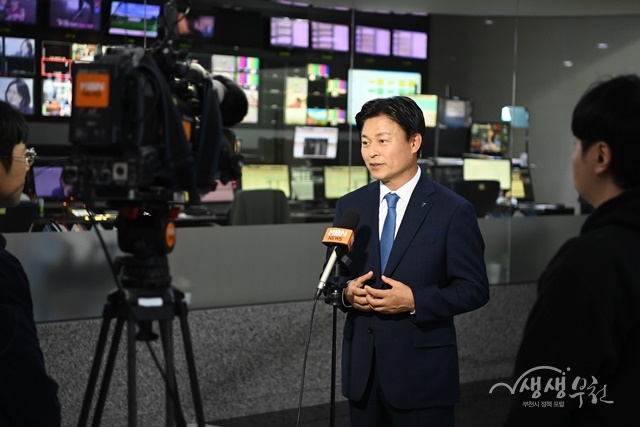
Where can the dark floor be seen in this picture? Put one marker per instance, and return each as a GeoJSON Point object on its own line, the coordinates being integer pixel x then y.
{"type": "Point", "coordinates": [477, 408]}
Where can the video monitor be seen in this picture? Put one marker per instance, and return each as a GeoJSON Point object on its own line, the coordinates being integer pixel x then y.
{"type": "Point", "coordinates": [18, 91]}
{"type": "Point", "coordinates": [303, 182]}
{"type": "Point", "coordinates": [488, 170]}
{"type": "Point", "coordinates": [47, 182]}
{"type": "Point", "coordinates": [19, 56]}
{"type": "Point", "coordinates": [336, 87]}
{"type": "Point", "coordinates": [296, 94]}
{"type": "Point", "coordinates": [134, 19]}
{"type": "Point", "coordinates": [336, 116]}
{"type": "Point", "coordinates": [315, 142]}
{"type": "Point", "coordinates": [429, 106]}
{"type": "Point", "coordinates": [250, 64]}
{"type": "Point", "coordinates": [56, 96]}
{"type": "Point", "coordinates": [225, 63]}
{"type": "Point", "coordinates": [365, 85]}
{"type": "Point", "coordinates": [340, 180]}
{"type": "Point", "coordinates": [409, 44]}
{"type": "Point", "coordinates": [75, 14]}
{"type": "Point", "coordinates": [257, 177]}
{"type": "Point", "coordinates": [328, 36]}
{"type": "Point", "coordinates": [83, 52]}
{"type": "Point", "coordinates": [373, 40]}
{"type": "Point", "coordinates": [490, 137]}
{"type": "Point", "coordinates": [287, 32]}
{"type": "Point", "coordinates": [455, 112]}
{"type": "Point", "coordinates": [20, 12]}
{"type": "Point", "coordinates": [195, 26]}
{"type": "Point", "coordinates": [315, 71]}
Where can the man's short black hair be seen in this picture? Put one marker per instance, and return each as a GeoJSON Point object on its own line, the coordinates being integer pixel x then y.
{"type": "Point", "coordinates": [401, 109]}
{"type": "Point", "coordinates": [610, 111]}
{"type": "Point", "coordinates": [13, 130]}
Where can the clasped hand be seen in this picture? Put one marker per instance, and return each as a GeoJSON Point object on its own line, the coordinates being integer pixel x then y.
{"type": "Point", "coordinates": [397, 299]}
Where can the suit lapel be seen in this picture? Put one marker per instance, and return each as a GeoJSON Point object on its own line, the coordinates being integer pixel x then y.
{"type": "Point", "coordinates": [419, 206]}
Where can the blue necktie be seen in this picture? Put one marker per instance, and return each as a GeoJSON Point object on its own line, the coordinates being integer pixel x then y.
{"type": "Point", "coordinates": [388, 229]}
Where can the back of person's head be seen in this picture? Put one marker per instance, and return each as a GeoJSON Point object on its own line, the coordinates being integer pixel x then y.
{"type": "Point", "coordinates": [400, 109]}
{"type": "Point", "coordinates": [610, 111]}
{"type": "Point", "coordinates": [13, 130]}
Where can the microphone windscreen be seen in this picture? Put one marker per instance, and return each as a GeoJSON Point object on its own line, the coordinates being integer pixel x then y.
{"type": "Point", "coordinates": [350, 220]}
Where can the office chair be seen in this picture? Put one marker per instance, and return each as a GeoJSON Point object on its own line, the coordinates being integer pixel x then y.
{"type": "Point", "coordinates": [252, 207]}
{"type": "Point", "coordinates": [482, 194]}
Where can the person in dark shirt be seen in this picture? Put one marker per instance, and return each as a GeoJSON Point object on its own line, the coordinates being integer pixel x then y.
{"type": "Point", "coordinates": [578, 363]}
{"type": "Point", "coordinates": [28, 396]}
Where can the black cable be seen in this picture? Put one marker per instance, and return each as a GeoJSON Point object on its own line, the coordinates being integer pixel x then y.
{"type": "Point", "coordinates": [304, 362]}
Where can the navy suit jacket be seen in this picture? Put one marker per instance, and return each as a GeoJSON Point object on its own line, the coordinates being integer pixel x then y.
{"type": "Point", "coordinates": [439, 253]}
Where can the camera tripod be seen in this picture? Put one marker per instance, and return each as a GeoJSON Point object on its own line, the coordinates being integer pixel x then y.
{"type": "Point", "coordinates": [145, 296]}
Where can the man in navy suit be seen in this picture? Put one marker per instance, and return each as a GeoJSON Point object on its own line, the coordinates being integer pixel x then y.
{"type": "Point", "coordinates": [399, 355]}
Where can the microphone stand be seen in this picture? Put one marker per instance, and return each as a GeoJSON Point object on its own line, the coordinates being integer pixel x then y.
{"type": "Point", "coordinates": [334, 297]}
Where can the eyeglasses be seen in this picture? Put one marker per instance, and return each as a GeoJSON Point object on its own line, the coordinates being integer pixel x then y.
{"type": "Point", "coordinates": [29, 157]}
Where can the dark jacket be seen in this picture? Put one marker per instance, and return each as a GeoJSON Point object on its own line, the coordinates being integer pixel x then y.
{"type": "Point", "coordinates": [28, 396]}
{"type": "Point", "coordinates": [438, 252]}
{"type": "Point", "coordinates": [586, 323]}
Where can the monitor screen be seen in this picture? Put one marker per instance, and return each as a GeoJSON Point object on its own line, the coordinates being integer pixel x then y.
{"type": "Point", "coordinates": [336, 87]}
{"type": "Point", "coordinates": [22, 12]}
{"type": "Point", "coordinates": [75, 14]}
{"type": "Point", "coordinates": [490, 137]}
{"type": "Point", "coordinates": [365, 85]}
{"type": "Point", "coordinates": [47, 182]}
{"type": "Point", "coordinates": [488, 170]}
{"type": "Point", "coordinates": [56, 96]}
{"type": "Point", "coordinates": [327, 36]}
{"type": "Point", "coordinates": [223, 63]}
{"type": "Point", "coordinates": [303, 182]}
{"type": "Point", "coordinates": [195, 26]}
{"type": "Point", "coordinates": [296, 95]}
{"type": "Point", "coordinates": [134, 19]}
{"type": "Point", "coordinates": [409, 44]}
{"type": "Point", "coordinates": [373, 41]}
{"type": "Point", "coordinates": [429, 106]}
{"type": "Point", "coordinates": [18, 92]}
{"type": "Point", "coordinates": [455, 112]}
{"type": "Point", "coordinates": [19, 56]}
{"type": "Point", "coordinates": [286, 32]}
{"type": "Point", "coordinates": [81, 52]}
{"type": "Point", "coordinates": [314, 142]}
{"type": "Point", "coordinates": [340, 180]}
{"type": "Point", "coordinates": [257, 177]}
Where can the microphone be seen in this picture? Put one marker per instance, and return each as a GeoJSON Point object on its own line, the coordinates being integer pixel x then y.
{"type": "Point", "coordinates": [341, 239]}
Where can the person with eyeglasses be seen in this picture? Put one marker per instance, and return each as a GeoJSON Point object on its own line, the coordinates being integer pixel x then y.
{"type": "Point", "coordinates": [28, 396]}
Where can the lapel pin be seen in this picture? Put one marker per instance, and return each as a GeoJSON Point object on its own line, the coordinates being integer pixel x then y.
{"type": "Point", "coordinates": [423, 204]}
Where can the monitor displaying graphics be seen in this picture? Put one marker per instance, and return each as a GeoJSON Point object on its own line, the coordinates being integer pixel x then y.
{"type": "Point", "coordinates": [83, 52]}
{"type": "Point", "coordinates": [373, 41]}
{"type": "Point", "coordinates": [409, 44]}
{"type": "Point", "coordinates": [18, 56]}
{"type": "Point", "coordinates": [223, 63]}
{"type": "Point", "coordinates": [339, 180]}
{"type": "Point", "coordinates": [488, 170]}
{"type": "Point", "coordinates": [257, 177]}
{"type": "Point", "coordinates": [75, 14]}
{"type": "Point", "coordinates": [286, 32]}
{"type": "Point", "coordinates": [134, 19]}
{"type": "Point", "coordinates": [455, 112]}
{"type": "Point", "coordinates": [517, 115]}
{"type": "Point", "coordinates": [296, 93]}
{"type": "Point", "coordinates": [336, 87]}
{"type": "Point", "coordinates": [490, 137]}
{"type": "Point", "coordinates": [429, 106]}
{"type": "Point", "coordinates": [336, 116]}
{"type": "Point", "coordinates": [20, 12]}
{"type": "Point", "coordinates": [56, 96]}
{"type": "Point", "coordinates": [317, 70]}
{"type": "Point", "coordinates": [195, 27]}
{"type": "Point", "coordinates": [313, 142]}
{"type": "Point", "coordinates": [365, 85]}
{"type": "Point", "coordinates": [47, 181]}
{"type": "Point", "coordinates": [303, 182]}
{"type": "Point", "coordinates": [327, 36]}
{"type": "Point", "coordinates": [317, 116]}
{"type": "Point", "coordinates": [18, 91]}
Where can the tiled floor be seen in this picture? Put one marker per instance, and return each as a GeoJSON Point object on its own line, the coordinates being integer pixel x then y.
{"type": "Point", "coordinates": [477, 408]}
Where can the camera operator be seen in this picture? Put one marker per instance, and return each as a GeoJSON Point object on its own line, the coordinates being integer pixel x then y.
{"type": "Point", "coordinates": [28, 396]}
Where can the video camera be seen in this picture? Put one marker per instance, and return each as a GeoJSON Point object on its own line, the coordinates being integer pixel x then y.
{"type": "Point", "coordinates": [148, 125]}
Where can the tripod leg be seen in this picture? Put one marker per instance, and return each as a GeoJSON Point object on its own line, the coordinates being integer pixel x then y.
{"type": "Point", "coordinates": [191, 364]}
{"type": "Point", "coordinates": [131, 372]}
{"type": "Point", "coordinates": [95, 367]}
{"type": "Point", "coordinates": [171, 388]}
